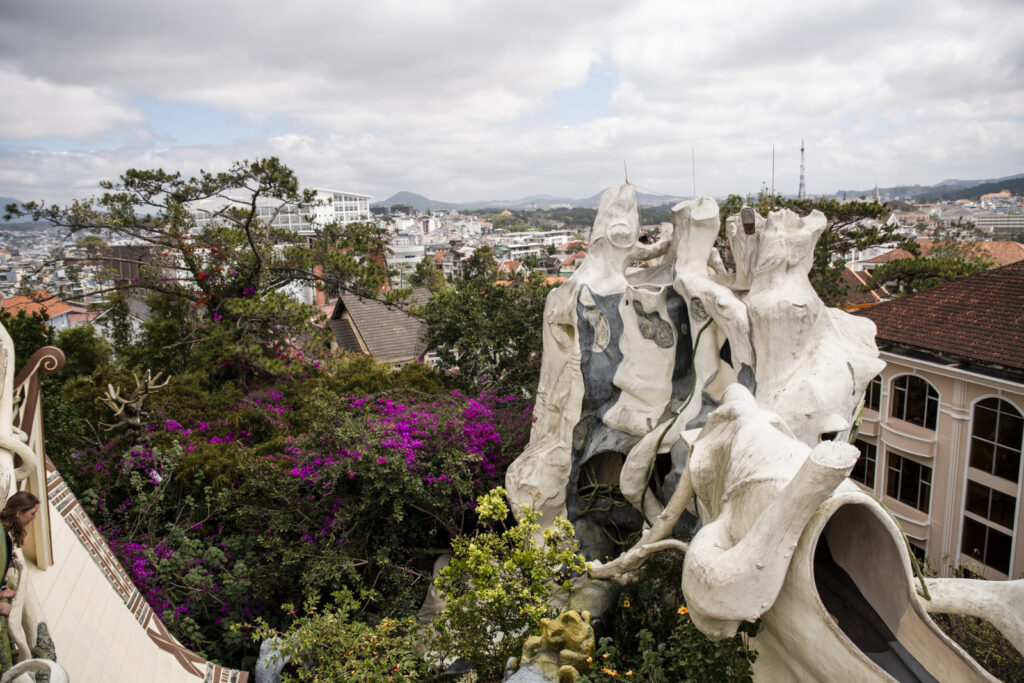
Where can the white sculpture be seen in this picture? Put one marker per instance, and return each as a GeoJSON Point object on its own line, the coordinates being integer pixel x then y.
{"type": "Point", "coordinates": [786, 538]}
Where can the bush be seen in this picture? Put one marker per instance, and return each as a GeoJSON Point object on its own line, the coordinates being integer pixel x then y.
{"type": "Point", "coordinates": [498, 586]}
{"type": "Point", "coordinates": [328, 646]}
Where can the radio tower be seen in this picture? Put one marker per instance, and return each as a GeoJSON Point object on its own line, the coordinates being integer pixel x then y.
{"type": "Point", "coordinates": [801, 193]}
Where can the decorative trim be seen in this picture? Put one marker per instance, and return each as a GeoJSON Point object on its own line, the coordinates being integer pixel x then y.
{"type": "Point", "coordinates": [64, 501]}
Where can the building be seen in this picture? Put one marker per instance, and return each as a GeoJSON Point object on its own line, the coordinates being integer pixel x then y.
{"type": "Point", "coordinates": [1001, 224]}
{"type": "Point", "coordinates": [376, 329]}
{"type": "Point", "coordinates": [333, 207]}
{"type": "Point", "coordinates": [55, 312]}
{"type": "Point", "coordinates": [942, 430]}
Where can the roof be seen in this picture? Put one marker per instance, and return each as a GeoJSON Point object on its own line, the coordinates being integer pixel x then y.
{"type": "Point", "coordinates": [854, 297]}
{"type": "Point", "coordinates": [977, 321]}
{"type": "Point", "coordinates": [382, 331]}
{"type": "Point", "coordinates": [41, 302]}
{"type": "Point", "coordinates": [1000, 253]}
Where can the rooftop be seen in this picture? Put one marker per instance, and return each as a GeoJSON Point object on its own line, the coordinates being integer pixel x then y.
{"type": "Point", "coordinates": [976, 322]}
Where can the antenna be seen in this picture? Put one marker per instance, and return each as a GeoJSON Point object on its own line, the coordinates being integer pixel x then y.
{"type": "Point", "coordinates": [802, 192]}
{"type": "Point", "coordinates": [693, 171]}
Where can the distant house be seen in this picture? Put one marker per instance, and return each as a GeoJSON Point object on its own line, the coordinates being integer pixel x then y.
{"type": "Point", "coordinates": [512, 268]}
{"type": "Point", "coordinates": [855, 298]}
{"type": "Point", "coordinates": [386, 333]}
{"type": "Point", "coordinates": [56, 312]}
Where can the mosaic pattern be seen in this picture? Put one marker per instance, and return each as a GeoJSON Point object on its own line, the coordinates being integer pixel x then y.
{"type": "Point", "coordinates": [62, 500]}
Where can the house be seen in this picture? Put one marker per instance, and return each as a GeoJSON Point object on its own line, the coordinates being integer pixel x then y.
{"type": "Point", "coordinates": [942, 430]}
{"type": "Point", "coordinates": [42, 302]}
{"type": "Point", "coordinates": [855, 298]}
{"type": "Point", "coordinates": [999, 253]}
{"type": "Point", "coordinates": [513, 268]}
{"type": "Point", "coordinates": [387, 333]}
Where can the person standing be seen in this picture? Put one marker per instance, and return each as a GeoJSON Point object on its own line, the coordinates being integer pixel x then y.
{"type": "Point", "coordinates": [19, 512]}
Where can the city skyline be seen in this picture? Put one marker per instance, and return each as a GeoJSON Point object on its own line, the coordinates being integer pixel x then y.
{"type": "Point", "coordinates": [464, 101]}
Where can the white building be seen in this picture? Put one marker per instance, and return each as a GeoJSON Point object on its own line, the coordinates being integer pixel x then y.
{"type": "Point", "coordinates": [333, 206]}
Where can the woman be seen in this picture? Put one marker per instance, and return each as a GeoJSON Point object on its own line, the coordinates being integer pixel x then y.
{"type": "Point", "coordinates": [20, 510]}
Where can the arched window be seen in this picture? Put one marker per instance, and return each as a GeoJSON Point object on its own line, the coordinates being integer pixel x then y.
{"type": "Point", "coordinates": [915, 400]}
{"type": "Point", "coordinates": [996, 438]}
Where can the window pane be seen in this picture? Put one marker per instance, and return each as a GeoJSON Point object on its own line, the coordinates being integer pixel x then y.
{"type": "Point", "coordinates": [1007, 463]}
{"type": "Point", "coordinates": [997, 554]}
{"type": "Point", "coordinates": [1003, 507]}
{"type": "Point", "coordinates": [981, 455]}
{"type": "Point", "coordinates": [974, 539]}
{"type": "Point", "coordinates": [1009, 428]}
{"type": "Point", "coordinates": [984, 422]}
{"type": "Point", "coordinates": [873, 397]}
{"type": "Point", "coordinates": [916, 395]}
{"type": "Point", "coordinates": [977, 498]}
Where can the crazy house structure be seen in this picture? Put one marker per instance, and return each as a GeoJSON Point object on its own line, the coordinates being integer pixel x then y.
{"type": "Point", "coordinates": [76, 615]}
{"type": "Point", "coordinates": [689, 401]}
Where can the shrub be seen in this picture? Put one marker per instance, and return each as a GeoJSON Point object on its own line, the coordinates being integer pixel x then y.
{"type": "Point", "coordinates": [329, 646]}
{"type": "Point", "coordinates": [498, 586]}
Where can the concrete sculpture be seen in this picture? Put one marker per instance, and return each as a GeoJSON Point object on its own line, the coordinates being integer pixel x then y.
{"type": "Point", "coordinates": [685, 391]}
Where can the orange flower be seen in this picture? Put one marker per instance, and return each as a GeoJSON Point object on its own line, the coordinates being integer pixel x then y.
{"type": "Point", "coordinates": [682, 610]}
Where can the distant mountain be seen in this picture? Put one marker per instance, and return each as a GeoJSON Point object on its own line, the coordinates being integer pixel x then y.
{"type": "Point", "coordinates": [416, 201]}
{"type": "Point", "coordinates": [530, 203]}
{"type": "Point", "coordinates": [23, 223]}
{"type": "Point", "coordinates": [947, 189]}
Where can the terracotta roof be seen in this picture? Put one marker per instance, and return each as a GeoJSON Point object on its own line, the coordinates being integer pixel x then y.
{"type": "Point", "coordinates": [48, 307]}
{"type": "Point", "coordinates": [893, 255]}
{"type": "Point", "coordinates": [1000, 253]}
{"type": "Point", "coordinates": [977, 321]}
{"type": "Point", "coordinates": [387, 333]}
{"type": "Point", "coordinates": [854, 297]}
{"type": "Point", "coordinates": [509, 266]}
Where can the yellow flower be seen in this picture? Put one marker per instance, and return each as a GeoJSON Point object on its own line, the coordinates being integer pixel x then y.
{"type": "Point", "coordinates": [625, 603]}
{"type": "Point", "coordinates": [682, 610]}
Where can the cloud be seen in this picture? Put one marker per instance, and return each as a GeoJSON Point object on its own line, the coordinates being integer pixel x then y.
{"type": "Point", "coordinates": [453, 98]}
{"type": "Point", "coordinates": [38, 108]}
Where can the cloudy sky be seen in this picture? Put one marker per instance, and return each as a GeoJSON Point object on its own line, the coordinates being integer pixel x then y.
{"type": "Point", "coordinates": [466, 100]}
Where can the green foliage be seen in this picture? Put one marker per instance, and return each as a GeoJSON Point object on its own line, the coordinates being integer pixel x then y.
{"type": "Point", "coordinates": [84, 350]}
{"type": "Point", "coordinates": [329, 646]}
{"type": "Point", "coordinates": [502, 583]}
{"type": "Point", "coordinates": [909, 275]}
{"type": "Point", "coordinates": [985, 643]}
{"type": "Point", "coordinates": [650, 634]}
{"type": "Point", "coordinates": [218, 290]}
{"type": "Point", "coordinates": [427, 275]}
{"type": "Point", "coordinates": [29, 333]}
{"type": "Point", "coordinates": [489, 336]}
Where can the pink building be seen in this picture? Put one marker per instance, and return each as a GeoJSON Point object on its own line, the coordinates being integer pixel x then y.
{"type": "Point", "coordinates": [941, 438]}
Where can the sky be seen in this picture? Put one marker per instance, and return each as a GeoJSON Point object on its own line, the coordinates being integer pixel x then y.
{"type": "Point", "coordinates": [467, 100]}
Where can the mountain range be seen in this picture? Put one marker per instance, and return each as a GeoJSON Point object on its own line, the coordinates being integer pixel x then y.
{"type": "Point", "coordinates": [532, 202]}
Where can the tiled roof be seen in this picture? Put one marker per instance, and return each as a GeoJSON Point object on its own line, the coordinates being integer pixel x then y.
{"type": "Point", "coordinates": [854, 297]}
{"type": "Point", "coordinates": [978, 319]}
{"type": "Point", "coordinates": [388, 333]}
{"type": "Point", "coordinates": [48, 306]}
{"type": "Point", "coordinates": [1000, 253]}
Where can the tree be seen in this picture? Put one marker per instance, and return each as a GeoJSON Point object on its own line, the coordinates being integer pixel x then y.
{"type": "Point", "coordinates": [909, 275]}
{"type": "Point", "coordinates": [489, 336]}
{"type": "Point", "coordinates": [231, 272]}
{"type": "Point", "coordinates": [426, 274]}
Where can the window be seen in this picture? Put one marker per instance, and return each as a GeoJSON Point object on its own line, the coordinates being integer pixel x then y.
{"type": "Point", "coordinates": [864, 470]}
{"type": "Point", "coordinates": [991, 504]}
{"type": "Point", "coordinates": [996, 438]}
{"type": "Point", "coordinates": [915, 400]}
{"type": "Point", "coordinates": [987, 545]}
{"type": "Point", "coordinates": [909, 482]}
{"type": "Point", "coordinates": [873, 395]}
